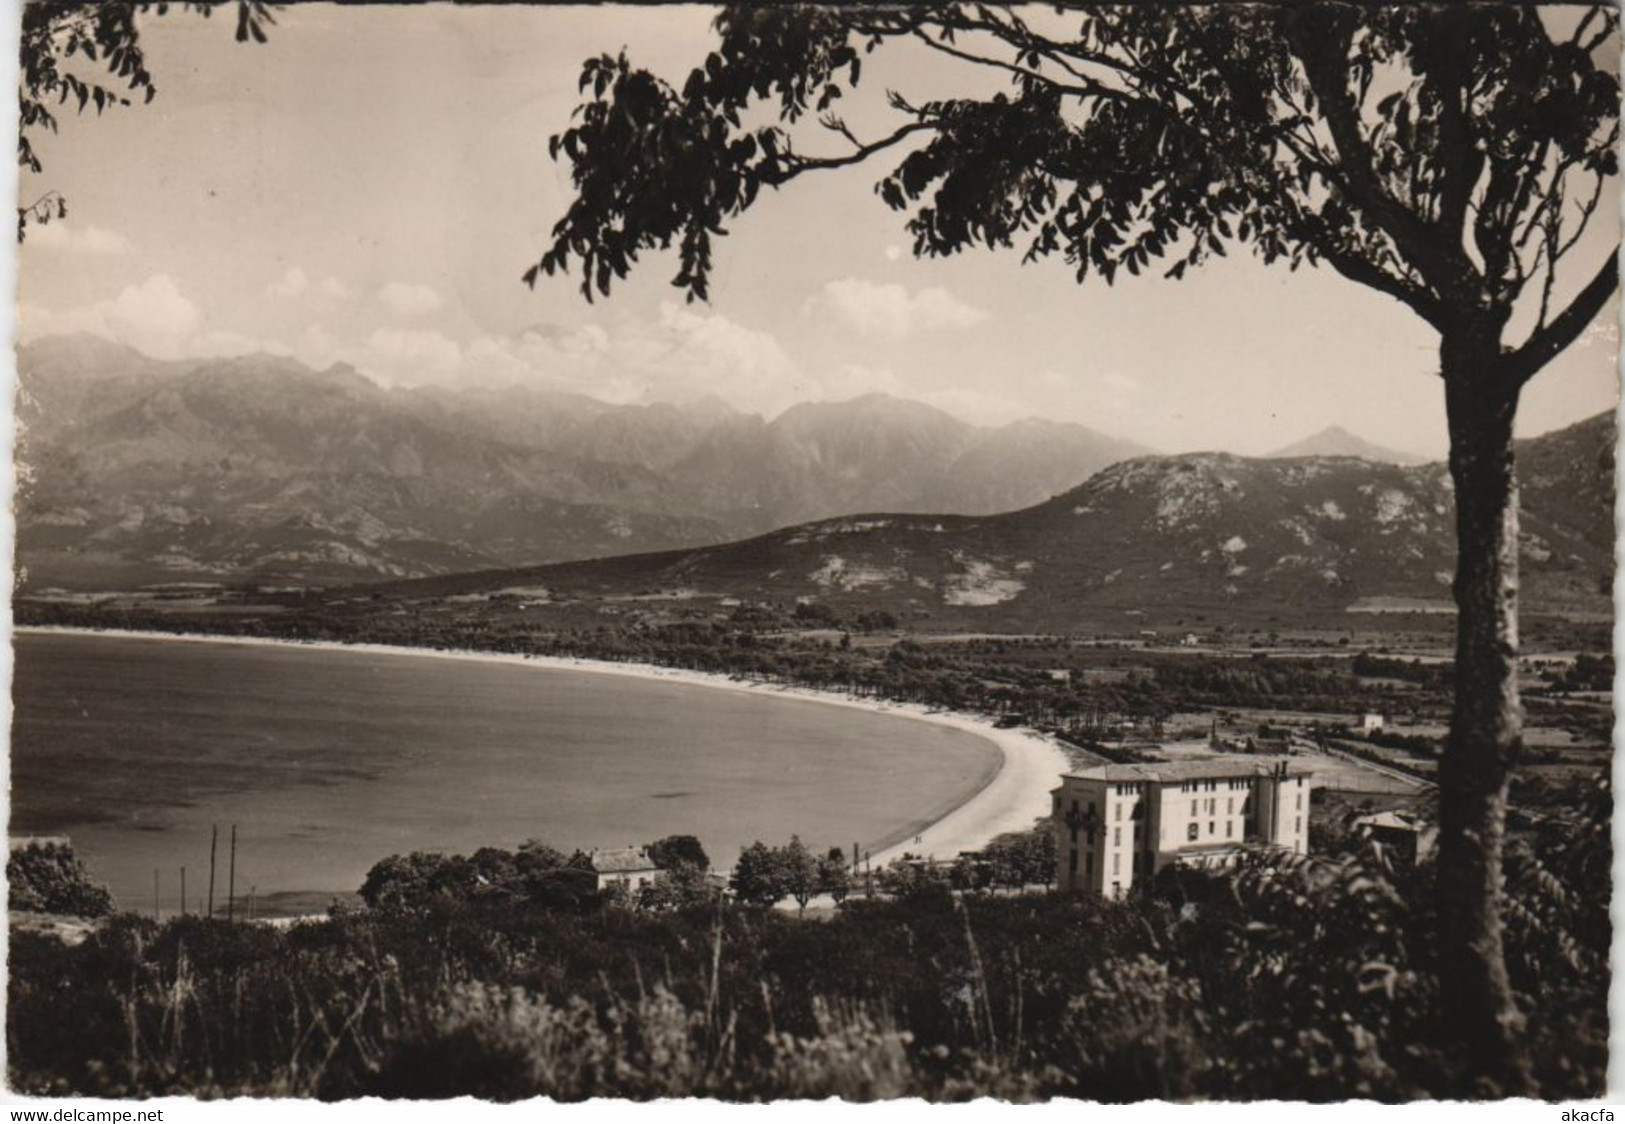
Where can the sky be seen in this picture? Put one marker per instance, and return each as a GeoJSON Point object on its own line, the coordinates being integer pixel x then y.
{"type": "Point", "coordinates": [369, 186]}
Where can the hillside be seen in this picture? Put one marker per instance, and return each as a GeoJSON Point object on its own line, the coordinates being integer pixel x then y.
{"type": "Point", "coordinates": [258, 468]}
{"type": "Point", "coordinates": [1307, 534]}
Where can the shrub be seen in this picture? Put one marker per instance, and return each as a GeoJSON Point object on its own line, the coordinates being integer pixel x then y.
{"type": "Point", "coordinates": [683, 886]}
{"type": "Point", "coordinates": [49, 878]}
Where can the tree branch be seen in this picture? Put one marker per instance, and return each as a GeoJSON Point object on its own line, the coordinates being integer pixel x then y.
{"type": "Point", "coordinates": [1091, 90]}
{"type": "Point", "coordinates": [795, 164]}
{"type": "Point", "coordinates": [1324, 57]}
{"type": "Point", "coordinates": [1548, 343]}
{"type": "Point", "coordinates": [1357, 268]}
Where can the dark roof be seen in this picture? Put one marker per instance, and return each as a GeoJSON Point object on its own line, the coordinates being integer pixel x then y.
{"type": "Point", "coordinates": [1191, 769]}
{"type": "Point", "coordinates": [621, 860]}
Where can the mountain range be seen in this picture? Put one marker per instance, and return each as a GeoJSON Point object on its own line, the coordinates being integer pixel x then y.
{"type": "Point", "coordinates": [1208, 529]}
{"type": "Point", "coordinates": [258, 469]}
{"type": "Point", "coordinates": [142, 471]}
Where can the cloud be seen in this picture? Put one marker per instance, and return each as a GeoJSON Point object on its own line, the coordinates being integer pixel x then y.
{"type": "Point", "coordinates": [68, 238]}
{"type": "Point", "coordinates": [409, 356]}
{"type": "Point", "coordinates": [154, 317]}
{"type": "Point", "coordinates": [889, 310]}
{"type": "Point", "coordinates": [409, 300]}
{"type": "Point", "coordinates": [296, 282]}
{"type": "Point", "coordinates": [851, 380]}
{"type": "Point", "coordinates": [678, 355]}
{"type": "Point", "coordinates": [291, 284]}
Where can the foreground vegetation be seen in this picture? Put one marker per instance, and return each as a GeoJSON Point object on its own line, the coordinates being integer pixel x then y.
{"type": "Point", "coordinates": [1290, 978]}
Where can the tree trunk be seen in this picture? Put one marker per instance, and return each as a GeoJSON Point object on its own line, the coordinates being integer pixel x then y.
{"type": "Point", "coordinates": [1486, 725]}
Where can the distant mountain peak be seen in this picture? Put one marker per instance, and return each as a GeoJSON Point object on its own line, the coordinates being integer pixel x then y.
{"type": "Point", "coordinates": [1335, 441]}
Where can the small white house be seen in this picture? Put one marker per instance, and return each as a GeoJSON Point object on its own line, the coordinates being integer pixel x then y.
{"type": "Point", "coordinates": [629, 866]}
{"type": "Point", "coordinates": [1370, 723]}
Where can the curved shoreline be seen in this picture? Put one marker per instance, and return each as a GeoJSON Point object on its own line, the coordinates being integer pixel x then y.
{"type": "Point", "coordinates": [1011, 799]}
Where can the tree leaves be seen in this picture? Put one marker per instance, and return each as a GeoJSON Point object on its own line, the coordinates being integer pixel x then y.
{"type": "Point", "coordinates": [1314, 133]}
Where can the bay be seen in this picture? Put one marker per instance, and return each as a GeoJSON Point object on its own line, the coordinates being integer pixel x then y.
{"type": "Point", "coordinates": [328, 760]}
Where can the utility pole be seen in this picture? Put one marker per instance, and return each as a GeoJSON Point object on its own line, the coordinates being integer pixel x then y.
{"type": "Point", "coordinates": [214, 842]}
{"type": "Point", "coordinates": [155, 893]}
{"type": "Point", "coordinates": [231, 879]}
{"type": "Point", "coordinates": [183, 891]}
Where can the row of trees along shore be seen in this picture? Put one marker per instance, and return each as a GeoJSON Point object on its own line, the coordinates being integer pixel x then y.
{"type": "Point", "coordinates": [1448, 156]}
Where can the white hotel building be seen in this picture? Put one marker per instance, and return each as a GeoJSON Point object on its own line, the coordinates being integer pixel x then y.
{"type": "Point", "coordinates": [1116, 825]}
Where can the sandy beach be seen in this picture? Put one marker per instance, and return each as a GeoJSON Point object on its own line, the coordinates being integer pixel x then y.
{"type": "Point", "coordinates": [1015, 796]}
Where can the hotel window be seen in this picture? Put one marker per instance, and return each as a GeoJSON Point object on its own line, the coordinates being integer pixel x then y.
{"type": "Point", "coordinates": [1117, 837]}
{"type": "Point", "coordinates": [1089, 865]}
{"type": "Point", "coordinates": [1300, 801]}
{"type": "Point", "coordinates": [1212, 829]}
{"type": "Point", "coordinates": [1072, 867]}
{"type": "Point", "coordinates": [1117, 864]}
{"type": "Point", "coordinates": [1229, 829]}
{"type": "Point", "coordinates": [1297, 824]}
{"type": "Point", "coordinates": [1193, 807]}
{"type": "Point", "coordinates": [1119, 811]}
{"type": "Point", "coordinates": [1230, 806]}
{"type": "Point", "coordinates": [1190, 832]}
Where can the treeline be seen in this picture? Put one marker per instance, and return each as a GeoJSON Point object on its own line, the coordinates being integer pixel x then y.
{"type": "Point", "coordinates": [50, 878]}
{"type": "Point", "coordinates": [996, 678]}
{"type": "Point", "coordinates": [536, 876]}
{"type": "Point", "coordinates": [1587, 673]}
{"type": "Point", "coordinates": [1434, 676]}
{"type": "Point", "coordinates": [541, 877]}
